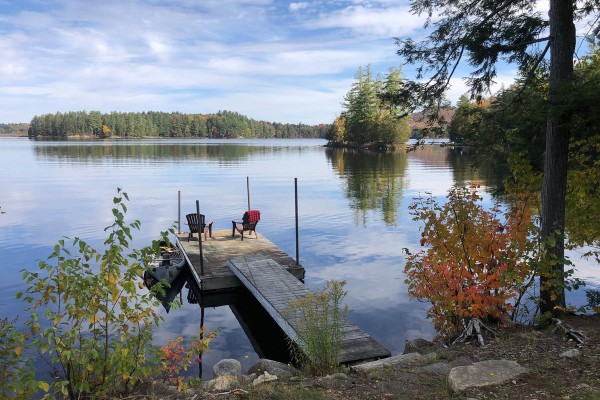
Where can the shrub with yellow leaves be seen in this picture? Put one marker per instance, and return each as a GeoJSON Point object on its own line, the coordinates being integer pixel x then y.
{"type": "Point", "coordinates": [87, 316]}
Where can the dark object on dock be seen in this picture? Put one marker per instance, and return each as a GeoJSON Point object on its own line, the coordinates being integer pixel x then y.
{"type": "Point", "coordinates": [170, 268]}
{"type": "Point", "coordinates": [192, 221]}
{"type": "Point", "coordinates": [248, 224]}
{"type": "Point", "coordinates": [275, 288]}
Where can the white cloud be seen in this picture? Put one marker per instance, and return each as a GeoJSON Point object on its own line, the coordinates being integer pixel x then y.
{"type": "Point", "coordinates": [293, 7]}
{"type": "Point", "coordinates": [380, 22]}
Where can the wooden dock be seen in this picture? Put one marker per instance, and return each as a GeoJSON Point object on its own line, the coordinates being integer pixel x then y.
{"type": "Point", "coordinates": [275, 288]}
{"type": "Point", "coordinates": [219, 248]}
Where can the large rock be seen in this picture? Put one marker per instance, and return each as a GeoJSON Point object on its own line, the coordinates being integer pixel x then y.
{"type": "Point", "coordinates": [227, 367]}
{"type": "Point", "coordinates": [404, 360]}
{"type": "Point", "coordinates": [272, 367]}
{"type": "Point", "coordinates": [484, 373]}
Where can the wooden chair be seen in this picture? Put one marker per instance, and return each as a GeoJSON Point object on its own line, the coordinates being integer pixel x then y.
{"type": "Point", "coordinates": [192, 221]}
{"type": "Point", "coordinates": [248, 224]}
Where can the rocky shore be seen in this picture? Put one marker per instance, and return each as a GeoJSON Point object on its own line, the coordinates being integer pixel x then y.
{"type": "Point", "coordinates": [519, 363]}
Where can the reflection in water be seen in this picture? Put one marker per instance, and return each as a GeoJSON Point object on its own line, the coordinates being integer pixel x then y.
{"type": "Point", "coordinates": [86, 152]}
{"type": "Point", "coordinates": [467, 169]}
{"type": "Point", "coordinates": [266, 337]}
{"type": "Point", "coordinates": [373, 181]}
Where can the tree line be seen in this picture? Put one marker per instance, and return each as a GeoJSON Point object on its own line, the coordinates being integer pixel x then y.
{"type": "Point", "coordinates": [19, 129]}
{"type": "Point", "coordinates": [224, 124]}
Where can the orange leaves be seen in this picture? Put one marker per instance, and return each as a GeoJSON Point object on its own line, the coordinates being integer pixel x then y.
{"type": "Point", "coordinates": [473, 263]}
{"type": "Point", "coordinates": [175, 357]}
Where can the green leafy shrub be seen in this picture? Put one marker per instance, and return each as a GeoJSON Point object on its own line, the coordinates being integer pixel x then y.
{"type": "Point", "coordinates": [16, 369]}
{"type": "Point", "coordinates": [89, 318]}
{"type": "Point", "coordinates": [318, 319]}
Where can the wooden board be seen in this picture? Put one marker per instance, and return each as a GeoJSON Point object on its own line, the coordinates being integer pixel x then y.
{"type": "Point", "coordinates": [275, 288]}
{"type": "Point", "coordinates": [222, 246]}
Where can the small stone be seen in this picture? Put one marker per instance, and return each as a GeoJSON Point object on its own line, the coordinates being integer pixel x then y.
{"type": "Point", "coordinates": [273, 367]}
{"type": "Point", "coordinates": [247, 379]}
{"type": "Point", "coordinates": [266, 377]}
{"type": "Point", "coordinates": [583, 387]}
{"type": "Point", "coordinates": [223, 383]}
{"type": "Point", "coordinates": [570, 353]}
{"type": "Point", "coordinates": [227, 367]}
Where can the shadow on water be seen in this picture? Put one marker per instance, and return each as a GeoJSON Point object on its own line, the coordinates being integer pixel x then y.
{"type": "Point", "coordinates": [372, 181]}
{"type": "Point", "coordinates": [266, 337]}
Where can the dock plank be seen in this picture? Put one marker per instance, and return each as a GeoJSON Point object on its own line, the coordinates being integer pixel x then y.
{"type": "Point", "coordinates": [221, 246]}
{"type": "Point", "coordinates": [274, 287]}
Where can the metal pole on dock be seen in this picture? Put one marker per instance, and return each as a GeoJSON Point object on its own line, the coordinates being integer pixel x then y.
{"type": "Point", "coordinates": [200, 232]}
{"type": "Point", "coordinates": [179, 211]}
{"type": "Point", "coordinates": [296, 198]}
{"type": "Point", "coordinates": [248, 190]}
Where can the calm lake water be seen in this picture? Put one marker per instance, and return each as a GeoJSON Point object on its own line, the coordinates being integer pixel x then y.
{"type": "Point", "coordinates": [353, 208]}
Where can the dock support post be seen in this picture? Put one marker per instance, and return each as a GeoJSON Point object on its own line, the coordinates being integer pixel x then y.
{"type": "Point", "coordinates": [179, 211]}
{"type": "Point", "coordinates": [201, 336]}
{"type": "Point", "coordinates": [200, 232]}
{"type": "Point", "coordinates": [248, 190]}
{"type": "Point", "coordinates": [297, 241]}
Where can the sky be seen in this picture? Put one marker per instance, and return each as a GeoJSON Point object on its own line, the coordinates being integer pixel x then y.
{"type": "Point", "coordinates": [271, 60]}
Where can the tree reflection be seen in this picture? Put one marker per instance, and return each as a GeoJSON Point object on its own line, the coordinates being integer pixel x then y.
{"type": "Point", "coordinates": [94, 152]}
{"type": "Point", "coordinates": [373, 181]}
{"type": "Point", "coordinates": [468, 168]}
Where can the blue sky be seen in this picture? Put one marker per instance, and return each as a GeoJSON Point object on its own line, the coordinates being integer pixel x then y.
{"type": "Point", "coordinates": [273, 60]}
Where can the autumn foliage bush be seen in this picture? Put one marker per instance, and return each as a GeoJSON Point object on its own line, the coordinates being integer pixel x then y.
{"type": "Point", "coordinates": [476, 262]}
{"type": "Point", "coordinates": [176, 357]}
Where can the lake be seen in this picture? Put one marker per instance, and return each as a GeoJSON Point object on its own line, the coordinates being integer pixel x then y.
{"type": "Point", "coordinates": [353, 218]}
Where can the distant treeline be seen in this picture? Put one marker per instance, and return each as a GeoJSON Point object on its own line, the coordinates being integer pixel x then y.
{"type": "Point", "coordinates": [224, 124]}
{"type": "Point", "coordinates": [14, 129]}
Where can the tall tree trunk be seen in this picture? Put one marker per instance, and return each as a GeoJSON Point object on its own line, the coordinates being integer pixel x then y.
{"type": "Point", "coordinates": [554, 185]}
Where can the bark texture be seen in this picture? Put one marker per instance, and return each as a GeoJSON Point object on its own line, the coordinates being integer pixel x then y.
{"type": "Point", "coordinates": [554, 185]}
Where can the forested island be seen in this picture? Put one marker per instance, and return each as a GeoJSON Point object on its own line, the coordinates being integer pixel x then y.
{"type": "Point", "coordinates": [224, 124]}
{"type": "Point", "coordinates": [370, 117]}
